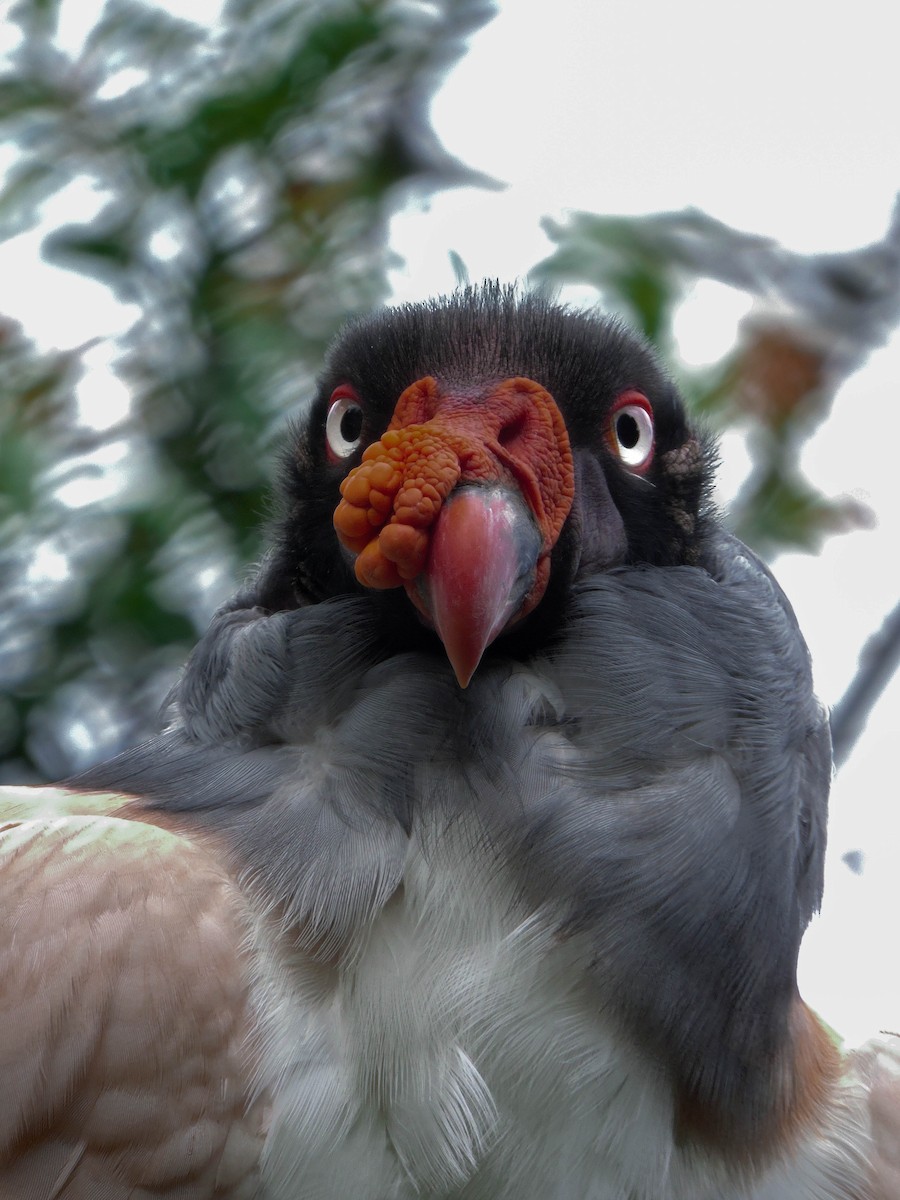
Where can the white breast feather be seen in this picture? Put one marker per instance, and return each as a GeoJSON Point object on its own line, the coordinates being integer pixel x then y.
{"type": "Point", "coordinates": [458, 1054]}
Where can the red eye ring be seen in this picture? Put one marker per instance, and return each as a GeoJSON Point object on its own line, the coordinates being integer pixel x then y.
{"type": "Point", "coordinates": [343, 423]}
{"type": "Point", "coordinates": [629, 431]}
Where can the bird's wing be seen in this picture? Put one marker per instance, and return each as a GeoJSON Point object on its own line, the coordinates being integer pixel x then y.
{"type": "Point", "coordinates": [125, 1011]}
{"type": "Point", "coordinates": [854, 1152]}
{"type": "Point", "coordinates": [877, 1064]}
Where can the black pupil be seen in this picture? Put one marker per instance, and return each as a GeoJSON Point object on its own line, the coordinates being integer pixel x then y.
{"type": "Point", "coordinates": [627, 431]}
{"type": "Point", "coordinates": [351, 424]}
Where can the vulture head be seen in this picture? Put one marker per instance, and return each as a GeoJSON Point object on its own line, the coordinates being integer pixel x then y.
{"type": "Point", "coordinates": [472, 457]}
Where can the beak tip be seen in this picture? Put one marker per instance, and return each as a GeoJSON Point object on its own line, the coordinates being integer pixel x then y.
{"type": "Point", "coordinates": [463, 650]}
{"type": "Point", "coordinates": [463, 675]}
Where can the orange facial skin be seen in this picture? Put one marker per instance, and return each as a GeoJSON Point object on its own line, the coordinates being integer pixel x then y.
{"type": "Point", "coordinates": [513, 437]}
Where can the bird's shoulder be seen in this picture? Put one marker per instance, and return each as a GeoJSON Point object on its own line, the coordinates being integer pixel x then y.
{"type": "Point", "coordinates": [876, 1066]}
{"type": "Point", "coordinates": [124, 1053]}
{"type": "Point", "coordinates": [853, 1152]}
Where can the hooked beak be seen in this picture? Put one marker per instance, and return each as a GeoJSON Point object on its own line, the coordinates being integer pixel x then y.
{"type": "Point", "coordinates": [481, 570]}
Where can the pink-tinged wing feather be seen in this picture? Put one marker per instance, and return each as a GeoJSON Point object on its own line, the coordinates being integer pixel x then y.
{"type": "Point", "coordinates": [125, 1019]}
{"type": "Point", "coordinates": [877, 1064]}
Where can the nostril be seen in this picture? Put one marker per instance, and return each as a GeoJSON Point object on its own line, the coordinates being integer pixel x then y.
{"type": "Point", "coordinates": [512, 430]}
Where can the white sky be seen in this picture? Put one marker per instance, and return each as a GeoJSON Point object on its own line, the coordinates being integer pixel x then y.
{"type": "Point", "coordinates": [782, 118]}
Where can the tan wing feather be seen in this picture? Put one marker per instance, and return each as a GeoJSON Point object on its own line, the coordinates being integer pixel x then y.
{"type": "Point", "coordinates": [125, 1018]}
{"type": "Point", "coordinates": [877, 1064]}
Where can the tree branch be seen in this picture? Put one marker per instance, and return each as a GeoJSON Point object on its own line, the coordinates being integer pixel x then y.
{"type": "Point", "coordinates": [878, 661]}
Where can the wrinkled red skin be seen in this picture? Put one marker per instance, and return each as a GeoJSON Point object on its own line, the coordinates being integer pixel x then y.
{"type": "Point", "coordinates": [479, 562]}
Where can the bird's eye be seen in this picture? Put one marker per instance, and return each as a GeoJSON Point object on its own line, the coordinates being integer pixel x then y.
{"type": "Point", "coordinates": [344, 423]}
{"type": "Point", "coordinates": [630, 431]}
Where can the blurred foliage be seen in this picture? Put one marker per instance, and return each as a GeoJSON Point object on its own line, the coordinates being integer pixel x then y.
{"type": "Point", "coordinates": [239, 180]}
{"type": "Point", "coordinates": [815, 320]}
{"type": "Point", "coordinates": [244, 175]}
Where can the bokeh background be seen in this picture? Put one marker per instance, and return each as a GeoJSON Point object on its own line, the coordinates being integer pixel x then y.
{"type": "Point", "coordinates": [192, 203]}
